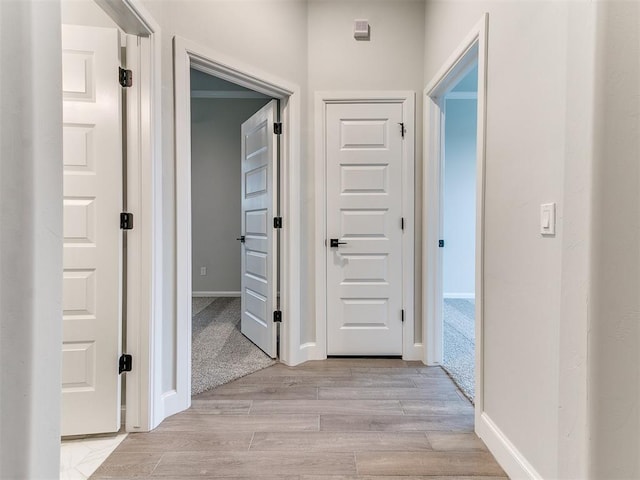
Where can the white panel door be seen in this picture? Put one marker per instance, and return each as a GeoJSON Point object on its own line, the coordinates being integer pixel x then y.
{"type": "Point", "coordinates": [259, 263]}
{"type": "Point", "coordinates": [92, 140]}
{"type": "Point", "coordinates": [364, 213]}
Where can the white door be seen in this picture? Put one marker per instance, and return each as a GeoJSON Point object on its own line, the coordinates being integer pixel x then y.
{"type": "Point", "coordinates": [92, 238]}
{"type": "Point", "coordinates": [259, 196]}
{"type": "Point", "coordinates": [364, 144]}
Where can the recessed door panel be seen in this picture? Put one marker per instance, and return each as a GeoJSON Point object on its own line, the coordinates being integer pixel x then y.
{"type": "Point", "coordinates": [79, 293]}
{"type": "Point", "coordinates": [363, 133]}
{"type": "Point", "coordinates": [363, 223]}
{"type": "Point", "coordinates": [367, 179]}
{"type": "Point", "coordinates": [78, 148]}
{"type": "Point", "coordinates": [80, 372]}
{"type": "Point", "coordinates": [364, 269]}
{"type": "Point", "coordinates": [78, 74]}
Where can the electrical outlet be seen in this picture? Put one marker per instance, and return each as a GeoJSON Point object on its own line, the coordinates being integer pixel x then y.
{"type": "Point", "coordinates": [203, 271]}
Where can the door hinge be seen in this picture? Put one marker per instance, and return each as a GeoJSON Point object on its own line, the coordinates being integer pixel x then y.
{"type": "Point", "coordinates": [277, 316]}
{"type": "Point", "coordinates": [402, 223]}
{"type": "Point", "coordinates": [277, 222]}
{"type": "Point", "coordinates": [126, 221]}
{"type": "Point", "coordinates": [441, 243]}
{"type": "Point", "coordinates": [277, 128]}
{"type": "Point", "coordinates": [402, 315]}
{"type": "Point", "coordinates": [402, 129]}
{"type": "Point", "coordinates": [125, 77]}
{"type": "Point", "coordinates": [125, 364]}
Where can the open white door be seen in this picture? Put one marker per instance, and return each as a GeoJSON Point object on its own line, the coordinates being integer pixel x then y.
{"type": "Point", "coordinates": [92, 274]}
{"type": "Point", "coordinates": [259, 196]}
{"type": "Point", "coordinates": [364, 143]}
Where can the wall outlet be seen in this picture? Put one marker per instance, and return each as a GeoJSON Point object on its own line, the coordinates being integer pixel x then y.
{"type": "Point", "coordinates": [203, 271]}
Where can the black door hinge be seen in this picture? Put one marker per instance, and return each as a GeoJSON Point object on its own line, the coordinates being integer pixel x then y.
{"type": "Point", "coordinates": [402, 129]}
{"type": "Point", "coordinates": [441, 243]}
{"type": "Point", "coordinates": [402, 315]}
{"type": "Point", "coordinates": [125, 364]}
{"type": "Point", "coordinates": [126, 221]}
{"type": "Point", "coordinates": [277, 128]}
{"type": "Point", "coordinates": [125, 77]}
{"type": "Point", "coordinates": [277, 316]}
{"type": "Point", "coordinates": [402, 223]}
{"type": "Point", "coordinates": [277, 222]}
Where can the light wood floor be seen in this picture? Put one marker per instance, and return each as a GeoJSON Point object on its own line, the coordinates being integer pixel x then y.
{"type": "Point", "coordinates": [338, 419]}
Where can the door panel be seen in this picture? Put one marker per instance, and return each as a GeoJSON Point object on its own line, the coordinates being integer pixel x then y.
{"type": "Point", "coordinates": [259, 263]}
{"type": "Point", "coordinates": [364, 210]}
{"type": "Point", "coordinates": [92, 157]}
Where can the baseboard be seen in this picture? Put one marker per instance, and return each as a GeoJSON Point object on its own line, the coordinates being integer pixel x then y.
{"type": "Point", "coordinates": [508, 456]}
{"type": "Point", "coordinates": [307, 352]}
{"type": "Point", "coordinates": [414, 352]}
{"type": "Point", "coordinates": [466, 296]}
{"type": "Point", "coordinates": [215, 294]}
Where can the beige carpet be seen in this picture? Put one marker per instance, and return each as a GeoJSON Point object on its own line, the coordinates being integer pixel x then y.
{"type": "Point", "coordinates": [459, 343]}
{"type": "Point", "coordinates": [219, 351]}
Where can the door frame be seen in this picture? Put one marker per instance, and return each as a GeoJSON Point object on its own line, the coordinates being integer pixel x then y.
{"type": "Point", "coordinates": [142, 410]}
{"type": "Point", "coordinates": [189, 54]}
{"type": "Point", "coordinates": [411, 348]}
{"type": "Point", "coordinates": [473, 48]}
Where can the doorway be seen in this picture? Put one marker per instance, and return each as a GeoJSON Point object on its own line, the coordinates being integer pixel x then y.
{"type": "Point", "coordinates": [220, 350]}
{"type": "Point", "coordinates": [365, 201]}
{"type": "Point", "coordinates": [458, 216]}
{"type": "Point", "coordinates": [451, 214]}
{"type": "Point", "coordinates": [285, 319]}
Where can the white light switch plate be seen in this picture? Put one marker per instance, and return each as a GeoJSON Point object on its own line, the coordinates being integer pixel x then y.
{"type": "Point", "coordinates": [548, 219]}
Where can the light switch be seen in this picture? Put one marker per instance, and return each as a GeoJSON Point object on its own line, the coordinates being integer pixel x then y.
{"type": "Point", "coordinates": [361, 29]}
{"type": "Point", "coordinates": [548, 219]}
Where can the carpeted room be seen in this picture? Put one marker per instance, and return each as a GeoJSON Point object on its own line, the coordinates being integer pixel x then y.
{"type": "Point", "coordinates": [220, 353]}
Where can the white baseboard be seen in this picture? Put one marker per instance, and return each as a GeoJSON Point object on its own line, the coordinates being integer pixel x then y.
{"type": "Point", "coordinates": [414, 352]}
{"type": "Point", "coordinates": [468, 296]}
{"type": "Point", "coordinates": [215, 294]}
{"type": "Point", "coordinates": [507, 455]}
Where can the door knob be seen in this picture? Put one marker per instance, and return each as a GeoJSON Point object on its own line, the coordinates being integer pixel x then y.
{"type": "Point", "coordinates": [241, 238]}
{"type": "Point", "coordinates": [335, 243]}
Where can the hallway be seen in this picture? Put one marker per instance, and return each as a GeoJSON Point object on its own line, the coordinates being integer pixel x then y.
{"type": "Point", "coordinates": [337, 419]}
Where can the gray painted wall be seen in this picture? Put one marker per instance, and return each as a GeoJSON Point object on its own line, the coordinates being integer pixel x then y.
{"type": "Point", "coordinates": [459, 198]}
{"type": "Point", "coordinates": [215, 190]}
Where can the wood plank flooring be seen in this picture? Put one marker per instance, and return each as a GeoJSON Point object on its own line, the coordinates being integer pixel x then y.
{"type": "Point", "coordinates": [338, 419]}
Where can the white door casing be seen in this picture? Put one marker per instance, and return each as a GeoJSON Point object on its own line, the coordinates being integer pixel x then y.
{"type": "Point", "coordinates": [259, 195]}
{"type": "Point", "coordinates": [92, 277]}
{"type": "Point", "coordinates": [364, 152]}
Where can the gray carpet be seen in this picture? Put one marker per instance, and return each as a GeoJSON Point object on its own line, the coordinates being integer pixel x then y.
{"type": "Point", "coordinates": [219, 351]}
{"type": "Point", "coordinates": [459, 343]}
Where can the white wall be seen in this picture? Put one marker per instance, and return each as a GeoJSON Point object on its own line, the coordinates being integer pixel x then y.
{"type": "Point", "coordinates": [84, 12]}
{"type": "Point", "coordinates": [614, 333]}
{"type": "Point", "coordinates": [459, 209]}
{"type": "Point", "coordinates": [525, 152]}
{"type": "Point", "coordinates": [215, 190]}
{"type": "Point", "coordinates": [391, 60]}
{"type": "Point", "coordinates": [30, 239]}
